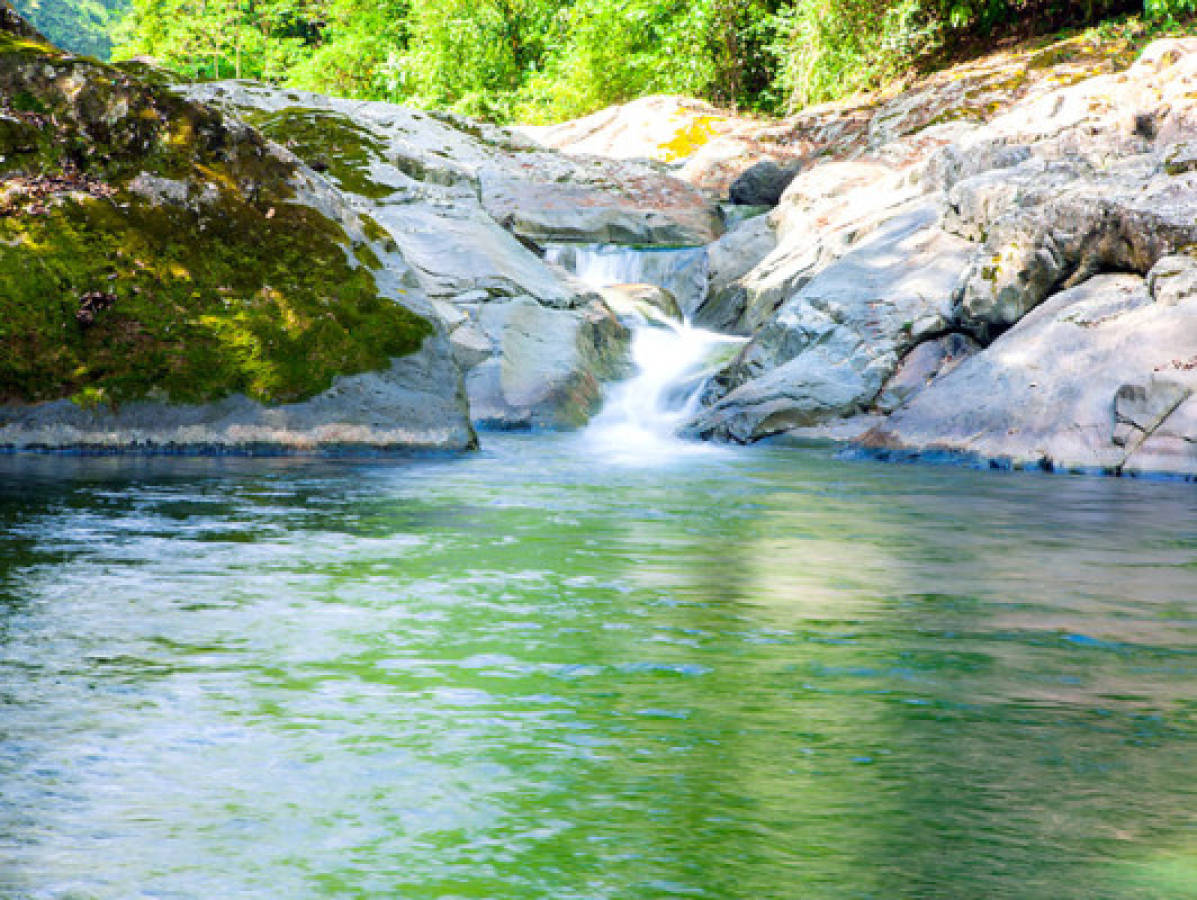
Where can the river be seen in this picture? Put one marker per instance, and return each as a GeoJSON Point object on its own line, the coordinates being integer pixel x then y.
{"type": "Point", "coordinates": [545, 671]}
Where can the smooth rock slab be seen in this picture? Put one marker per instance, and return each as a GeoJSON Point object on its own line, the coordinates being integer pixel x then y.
{"type": "Point", "coordinates": [1044, 393]}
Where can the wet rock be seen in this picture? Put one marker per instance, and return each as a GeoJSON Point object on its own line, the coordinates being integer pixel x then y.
{"type": "Point", "coordinates": [645, 302]}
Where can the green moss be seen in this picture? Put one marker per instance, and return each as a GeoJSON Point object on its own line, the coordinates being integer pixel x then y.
{"type": "Point", "coordinates": [329, 142]}
{"type": "Point", "coordinates": [208, 304]}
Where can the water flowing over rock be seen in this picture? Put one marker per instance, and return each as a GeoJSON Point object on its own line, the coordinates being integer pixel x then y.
{"type": "Point", "coordinates": [680, 271]}
{"type": "Point", "coordinates": [480, 214]}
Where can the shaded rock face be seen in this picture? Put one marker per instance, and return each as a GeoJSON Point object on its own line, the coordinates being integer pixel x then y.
{"type": "Point", "coordinates": [762, 184]}
{"type": "Point", "coordinates": [170, 279]}
{"type": "Point", "coordinates": [1015, 288]}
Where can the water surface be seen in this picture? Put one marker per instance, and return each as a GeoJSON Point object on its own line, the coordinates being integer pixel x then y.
{"type": "Point", "coordinates": [535, 674]}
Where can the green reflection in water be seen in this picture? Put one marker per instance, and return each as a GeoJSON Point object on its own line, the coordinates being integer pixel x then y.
{"type": "Point", "coordinates": [756, 675]}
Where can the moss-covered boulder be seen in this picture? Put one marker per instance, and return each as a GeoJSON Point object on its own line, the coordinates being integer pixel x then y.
{"type": "Point", "coordinates": [154, 251]}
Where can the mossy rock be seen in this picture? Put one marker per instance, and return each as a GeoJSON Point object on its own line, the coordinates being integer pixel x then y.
{"type": "Point", "coordinates": [219, 281]}
{"type": "Point", "coordinates": [328, 141]}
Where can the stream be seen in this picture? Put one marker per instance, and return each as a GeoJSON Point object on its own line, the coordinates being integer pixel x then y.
{"type": "Point", "coordinates": [608, 664]}
{"type": "Point", "coordinates": [538, 672]}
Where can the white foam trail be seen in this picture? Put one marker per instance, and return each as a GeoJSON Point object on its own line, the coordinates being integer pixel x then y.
{"type": "Point", "coordinates": [640, 420]}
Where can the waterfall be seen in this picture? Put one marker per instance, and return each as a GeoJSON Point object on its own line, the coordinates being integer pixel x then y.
{"type": "Point", "coordinates": [640, 420]}
{"type": "Point", "coordinates": [681, 271]}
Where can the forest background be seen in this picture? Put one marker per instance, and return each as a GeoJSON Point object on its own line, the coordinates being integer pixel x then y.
{"type": "Point", "coordinates": [549, 60]}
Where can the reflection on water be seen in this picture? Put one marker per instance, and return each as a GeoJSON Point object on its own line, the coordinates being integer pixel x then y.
{"type": "Point", "coordinates": [757, 674]}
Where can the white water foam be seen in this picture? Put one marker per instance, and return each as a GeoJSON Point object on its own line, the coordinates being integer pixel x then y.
{"type": "Point", "coordinates": [640, 421]}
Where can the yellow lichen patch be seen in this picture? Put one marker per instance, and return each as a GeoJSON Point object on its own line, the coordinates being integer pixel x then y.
{"type": "Point", "coordinates": [690, 138]}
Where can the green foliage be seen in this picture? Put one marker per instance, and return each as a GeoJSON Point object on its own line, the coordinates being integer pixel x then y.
{"type": "Point", "coordinates": [545, 60]}
{"type": "Point", "coordinates": [1170, 10]}
{"type": "Point", "coordinates": [81, 26]}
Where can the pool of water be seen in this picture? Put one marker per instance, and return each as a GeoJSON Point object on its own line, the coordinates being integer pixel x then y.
{"type": "Point", "coordinates": [535, 674]}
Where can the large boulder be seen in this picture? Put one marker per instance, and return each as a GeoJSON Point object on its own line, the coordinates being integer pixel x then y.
{"type": "Point", "coordinates": [170, 279]}
{"type": "Point", "coordinates": [546, 366]}
{"type": "Point", "coordinates": [829, 349]}
{"type": "Point", "coordinates": [1085, 381]}
{"type": "Point", "coordinates": [729, 260]}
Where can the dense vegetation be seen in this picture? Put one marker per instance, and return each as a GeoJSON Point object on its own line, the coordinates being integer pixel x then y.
{"type": "Point", "coordinates": [82, 26]}
{"type": "Point", "coordinates": [552, 59]}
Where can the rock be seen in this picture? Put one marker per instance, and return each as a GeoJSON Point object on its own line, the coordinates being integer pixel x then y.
{"type": "Point", "coordinates": [1173, 279]}
{"type": "Point", "coordinates": [418, 404]}
{"type": "Point", "coordinates": [682, 271]}
{"type": "Point", "coordinates": [1115, 222]}
{"type": "Point", "coordinates": [182, 284]}
{"type": "Point", "coordinates": [922, 365]}
{"type": "Point", "coordinates": [1140, 408]}
{"type": "Point", "coordinates": [642, 302]}
{"type": "Point", "coordinates": [471, 347]}
{"type": "Point", "coordinates": [828, 350]}
{"type": "Point", "coordinates": [1045, 393]}
{"type": "Point", "coordinates": [399, 155]}
{"type": "Point", "coordinates": [762, 184]}
{"type": "Point", "coordinates": [1171, 449]}
{"type": "Point", "coordinates": [548, 364]}
{"type": "Point", "coordinates": [729, 259]}
{"type": "Point", "coordinates": [459, 252]}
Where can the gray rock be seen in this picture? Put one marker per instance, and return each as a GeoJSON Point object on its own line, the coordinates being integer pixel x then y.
{"type": "Point", "coordinates": [1171, 449]}
{"type": "Point", "coordinates": [1173, 279]}
{"type": "Point", "coordinates": [922, 365]}
{"type": "Point", "coordinates": [1116, 224]}
{"type": "Point", "coordinates": [470, 346]}
{"type": "Point", "coordinates": [729, 259]}
{"type": "Point", "coordinates": [418, 404]}
{"type": "Point", "coordinates": [549, 364]}
{"type": "Point", "coordinates": [1044, 394]}
{"type": "Point", "coordinates": [1140, 408]}
{"type": "Point", "coordinates": [828, 351]}
{"type": "Point", "coordinates": [642, 302]}
{"type": "Point", "coordinates": [762, 184]}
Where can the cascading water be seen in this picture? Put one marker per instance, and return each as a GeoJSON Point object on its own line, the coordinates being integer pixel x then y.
{"type": "Point", "coordinates": [680, 270]}
{"type": "Point", "coordinates": [641, 418]}
{"type": "Point", "coordinates": [642, 415]}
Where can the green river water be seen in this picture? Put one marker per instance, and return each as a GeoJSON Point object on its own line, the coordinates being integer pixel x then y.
{"type": "Point", "coordinates": [531, 673]}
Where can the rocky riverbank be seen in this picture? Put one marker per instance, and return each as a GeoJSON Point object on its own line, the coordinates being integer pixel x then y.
{"type": "Point", "coordinates": [999, 264]}
{"type": "Point", "coordinates": [233, 268]}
